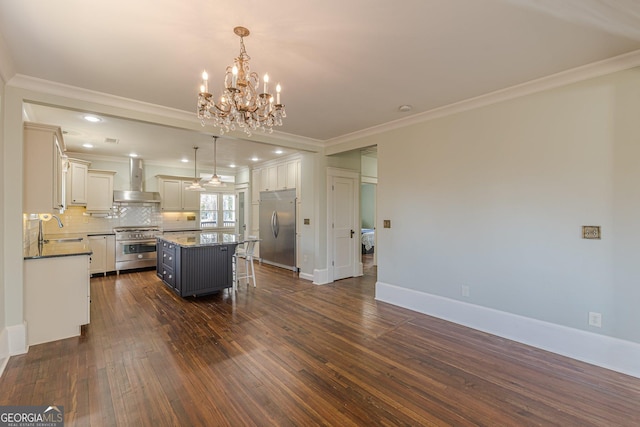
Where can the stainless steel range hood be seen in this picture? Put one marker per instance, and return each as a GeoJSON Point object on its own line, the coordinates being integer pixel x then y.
{"type": "Point", "coordinates": [135, 194]}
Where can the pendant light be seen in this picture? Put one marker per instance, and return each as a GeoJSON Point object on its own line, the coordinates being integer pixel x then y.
{"type": "Point", "coordinates": [215, 180]}
{"type": "Point", "coordinates": [195, 185]}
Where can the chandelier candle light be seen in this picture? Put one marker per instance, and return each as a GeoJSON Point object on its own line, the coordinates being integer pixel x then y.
{"type": "Point", "coordinates": [240, 105]}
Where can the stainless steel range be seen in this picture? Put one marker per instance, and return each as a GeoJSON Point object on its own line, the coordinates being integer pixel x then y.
{"type": "Point", "coordinates": [135, 247]}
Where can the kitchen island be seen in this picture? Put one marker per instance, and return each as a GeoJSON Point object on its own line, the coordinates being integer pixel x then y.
{"type": "Point", "coordinates": [196, 263]}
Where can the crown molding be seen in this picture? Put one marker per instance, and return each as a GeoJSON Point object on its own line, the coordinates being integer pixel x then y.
{"type": "Point", "coordinates": [574, 75]}
{"type": "Point", "coordinates": [117, 102]}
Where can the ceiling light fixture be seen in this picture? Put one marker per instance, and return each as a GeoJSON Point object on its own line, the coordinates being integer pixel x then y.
{"type": "Point", "coordinates": [92, 119]}
{"type": "Point", "coordinates": [195, 185]}
{"type": "Point", "coordinates": [240, 105]}
{"type": "Point", "coordinates": [215, 180]}
{"type": "Point", "coordinates": [87, 145]}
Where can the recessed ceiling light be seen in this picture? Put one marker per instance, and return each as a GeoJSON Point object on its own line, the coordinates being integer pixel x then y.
{"type": "Point", "coordinates": [405, 108]}
{"type": "Point", "coordinates": [92, 119]}
{"type": "Point", "coordinates": [87, 145]}
{"type": "Point", "coordinates": [133, 155]}
{"type": "Point", "coordinates": [278, 151]}
{"type": "Point", "coordinates": [254, 159]}
{"type": "Point", "coordinates": [232, 166]}
{"type": "Point", "coordinates": [185, 160]}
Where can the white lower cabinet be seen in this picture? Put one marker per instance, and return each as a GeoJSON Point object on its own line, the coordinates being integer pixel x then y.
{"type": "Point", "coordinates": [103, 258]}
{"type": "Point", "coordinates": [56, 297]}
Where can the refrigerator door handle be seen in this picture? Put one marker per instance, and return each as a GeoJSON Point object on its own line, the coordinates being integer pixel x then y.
{"type": "Point", "coordinates": [274, 224]}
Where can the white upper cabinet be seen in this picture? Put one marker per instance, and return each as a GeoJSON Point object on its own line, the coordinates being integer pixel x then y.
{"type": "Point", "coordinates": [280, 176]}
{"type": "Point", "coordinates": [174, 196]}
{"type": "Point", "coordinates": [99, 190]}
{"type": "Point", "coordinates": [44, 183]}
{"type": "Point", "coordinates": [77, 172]}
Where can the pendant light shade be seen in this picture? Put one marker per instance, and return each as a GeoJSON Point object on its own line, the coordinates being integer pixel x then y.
{"type": "Point", "coordinates": [215, 180]}
{"type": "Point", "coordinates": [195, 185]}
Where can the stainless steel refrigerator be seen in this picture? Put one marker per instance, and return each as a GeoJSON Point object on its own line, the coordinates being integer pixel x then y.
{"type": "Point", "coordinates": [278, 228]}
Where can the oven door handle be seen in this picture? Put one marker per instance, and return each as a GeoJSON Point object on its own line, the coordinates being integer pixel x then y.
{"type": "Point", "coordinates": [136, 242]}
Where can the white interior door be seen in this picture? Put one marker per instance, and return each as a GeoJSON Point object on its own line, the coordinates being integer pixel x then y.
{"type": "Point", "coordinates": [343, 227]}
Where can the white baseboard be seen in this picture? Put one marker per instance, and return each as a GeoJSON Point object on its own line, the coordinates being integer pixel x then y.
{"type": "Point", "coordinates": [13, 341]}
{"type": "Point", "coordinates": [4, 350]}
{"type": "Point", "coordinates": [17, 335]}
{"type": "Point", "coordinates": [320, 277]}
{"type": "Point", "coordinates": [600, 350]}
{"type": "Point", "coordinates": [306, 276]}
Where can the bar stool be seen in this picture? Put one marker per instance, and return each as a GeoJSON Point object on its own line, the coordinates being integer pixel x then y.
{"type": "Point", "coordinates": [246, 252]}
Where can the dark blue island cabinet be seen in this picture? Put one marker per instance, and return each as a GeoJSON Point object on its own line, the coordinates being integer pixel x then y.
{"type": "Point", "coordinates": [196, 263]}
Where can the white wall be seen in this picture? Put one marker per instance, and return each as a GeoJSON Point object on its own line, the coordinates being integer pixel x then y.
{"type": "Point", "coordinates": [2, 203]}
{"type": "Point", "coordinates": [494, 199]}
{"type": "Point", "coordinates": [367, 205]}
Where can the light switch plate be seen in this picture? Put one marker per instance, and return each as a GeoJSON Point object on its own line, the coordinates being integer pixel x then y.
{"type": "Point", "coordinates": [591, 232]}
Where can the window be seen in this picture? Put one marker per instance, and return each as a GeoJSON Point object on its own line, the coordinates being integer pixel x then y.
{"type": "Point", "coordinates": [216, 206]}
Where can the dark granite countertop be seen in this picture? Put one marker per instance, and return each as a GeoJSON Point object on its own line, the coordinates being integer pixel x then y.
{"type": "Point", "coordinates": [59, 245]}
{"type": "Point", "coordinates": [201, 238]}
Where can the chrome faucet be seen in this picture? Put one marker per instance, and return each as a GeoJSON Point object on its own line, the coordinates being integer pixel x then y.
{"type": "Point", "coordinates": [41, 234]}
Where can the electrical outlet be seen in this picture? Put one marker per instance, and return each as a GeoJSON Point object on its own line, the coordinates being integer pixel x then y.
{"type": "Point", "coordinates": [465, 291]}
{"type": "Point", "coordinates": [386, 223]}
{"type": "Point", "coordinates": [591, 232]}
{"type": "Point", "coordinates": [595, 319]}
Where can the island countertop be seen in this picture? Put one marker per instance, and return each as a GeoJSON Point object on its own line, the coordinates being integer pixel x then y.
{"type": "Point", "coordinates": [201, 238]}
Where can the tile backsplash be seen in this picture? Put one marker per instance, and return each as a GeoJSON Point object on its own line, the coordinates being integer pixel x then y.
{"type": "Point", "coordinates": [75, 220]}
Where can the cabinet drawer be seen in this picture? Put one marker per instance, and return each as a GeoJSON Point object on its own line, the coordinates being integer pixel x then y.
{"type": "Point", "coordinates": [168, 246]}
{"type": "Point", "coordinates": [168, 275]}
{"type": "Point", "coordinates": [168, 258]}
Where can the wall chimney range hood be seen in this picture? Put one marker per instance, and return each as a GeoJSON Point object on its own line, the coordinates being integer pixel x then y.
{"type": "Point", "coordinates": [136, 193]}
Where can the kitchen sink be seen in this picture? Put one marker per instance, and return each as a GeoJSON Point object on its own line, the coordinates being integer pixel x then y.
{"type": "Point", "coordinates": [66, 239]}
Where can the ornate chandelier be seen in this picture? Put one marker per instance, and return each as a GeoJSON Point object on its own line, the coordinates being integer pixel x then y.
{"type": "Point", "coordinates": [240, 105]}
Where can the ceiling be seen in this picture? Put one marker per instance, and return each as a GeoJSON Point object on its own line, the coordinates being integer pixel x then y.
{"type": "Point", "coordinates": [344, 66]}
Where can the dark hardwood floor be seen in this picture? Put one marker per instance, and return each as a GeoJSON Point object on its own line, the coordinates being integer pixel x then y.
{"type": "Point", "coordinates": [292, 353]}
